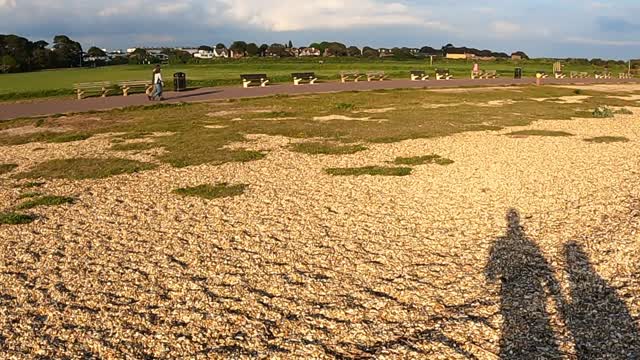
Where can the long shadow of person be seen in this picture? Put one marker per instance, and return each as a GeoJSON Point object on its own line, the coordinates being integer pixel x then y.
{"type": "Point", "coordinates": [598, 320]}
{"type": "Point", "coordinates": [526, 279]}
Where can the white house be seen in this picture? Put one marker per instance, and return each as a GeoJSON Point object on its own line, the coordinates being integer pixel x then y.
{"type": "Point", "coordinates": [309, 51]}
{"type": "Point", "coordinates": [205, 54]}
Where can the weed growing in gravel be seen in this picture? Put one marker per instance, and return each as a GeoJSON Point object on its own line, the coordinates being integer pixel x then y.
{"type": "Point", "coordinates": [577, 92]}
{"type": "Point", "coordinates": [345, 106]}
{"type": "Point", "coordinates": [607, 139]}
{"type": "Point", "coordinates": [7, 168]}
{"type": "Point", "coordinates": [370, 170]}
{"type": "Point", "coordinates": [320, 148]}
{"type": "Point", "coordinates": [28, 195]}
{"type": "Point", "coordinates": [624, 111]}
{"type": "Point", "coordinates": [85, 168]}
{"type": "Point", "coordinates": [220, 190]}
{"type": "Point", "coordinates": [46, 201]}
{"type": "Point", "coordinates": [33, 184]}
{"type": "Point", "coordinates": [141, 146]}
{"type": "Point", "coordinates": [12, 218]}
{"type": "Point", "coordinates": [45, 136]}
{"type": "Point", "coordinates": [63, 138]}
{"type": "Point", "coordinates": [539, 133]}
{"type": "Point", "coordinates": [602, 112]}
{"type": "Point", "coordinates": [134, 135]}
{"type": "Point", "coordinates": [423, 160]}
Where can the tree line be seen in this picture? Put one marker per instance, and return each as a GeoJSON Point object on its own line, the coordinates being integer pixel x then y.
{"type": "Point", "coordinates": [18, 54]}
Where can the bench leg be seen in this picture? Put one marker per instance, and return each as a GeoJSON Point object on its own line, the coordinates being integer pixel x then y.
{"type": "Point", "coordinates": [245, 83]}
{"type": "Point", "coordinates": [125, 91]}
{"type": "Point", "coordinates": [357, 78]}
{"type": "Point", "coordinates": [80, 93]}
{"type": "Point", "coordinates": [296, 81]}
{"type": "Point", "coordinates": [414, 78]}
{"type": "Point", "coordinates": [263, 83]}
{"type": "Point", "coordinates": [313, 81]}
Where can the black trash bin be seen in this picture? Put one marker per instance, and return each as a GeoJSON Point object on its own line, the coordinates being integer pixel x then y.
{"type": "Point", "coordinates": [180, 81]}
{"type": "Point", "coordinates": [517, 74]}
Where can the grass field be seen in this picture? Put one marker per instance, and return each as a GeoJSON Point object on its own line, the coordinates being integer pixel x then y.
{"type": "Point", "coordinates": [59, 82]}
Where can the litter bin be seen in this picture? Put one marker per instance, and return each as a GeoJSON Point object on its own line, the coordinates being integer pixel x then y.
{"type": "Point", "coordinates": [517, 74]}
{"type": "Point", "coordinates": [179, 81]}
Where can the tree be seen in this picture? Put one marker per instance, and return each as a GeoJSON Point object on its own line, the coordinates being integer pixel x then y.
{"type": "Point", "coordinates": [96, 52]}
{"type": "Point", "coordinates": [68, 53]}
{"type": "Point", "coordinates": [221, 46]}
{"type": "Point", "coordinates": [8, 64]}
{"type": "Point", "coordinates": [522, 55]}
{"type": "Point", "coordinates": [290, 44]}
{"type": "Point", "coordinates": [239, 47]}
{"type": "Point", "coordinates": [277, 50]}
{"type": "Point", "coordinates": [334, 49]}
{"type": "Point", "coordinates": [252, 49]}
{"type": "Point", "coordinates": [206, 48]}
{"type": "Point", "coordinates": [370, 52]}
{"type": "Point", "coordinates": [263, 49]}
{"type": "Point", "coordinates": [354, 51]}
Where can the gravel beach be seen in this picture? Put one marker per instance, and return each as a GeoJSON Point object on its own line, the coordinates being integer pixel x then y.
{"type": "Point", "coordinates": [521, 235]}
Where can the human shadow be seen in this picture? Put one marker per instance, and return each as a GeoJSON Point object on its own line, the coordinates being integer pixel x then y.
{"type": "Point", "coordinates": [526, 282]}
{"type": "Point", "coordinates": [597, 318]}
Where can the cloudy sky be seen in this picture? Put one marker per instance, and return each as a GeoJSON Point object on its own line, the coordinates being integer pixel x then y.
{"type": "Point", "coordinates": [560, 28]}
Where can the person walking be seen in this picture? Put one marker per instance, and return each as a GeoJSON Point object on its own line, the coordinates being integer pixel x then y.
{"type": "Point", "coordinates": [157, 84]}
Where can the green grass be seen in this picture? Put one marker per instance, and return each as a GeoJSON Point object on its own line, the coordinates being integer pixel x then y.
{"type": "Point", "coordinates": [46, 201]}
{"type": "Point", "coordinates": [227, 72]}
{"type": "Point", "coordinates": [29, 195]}
{"type": "Point", "coordinates": [85, 168]}
{"type": "Point", "coordinates": [220, 190]}
{"type": "Point", "coordinates": [140, 146]}
{"type": "Point", "coordinates": [321, 148]}
{"type": "Point", "coordinates": [623, 111]}
{"type": "Point", "coordinates": [603, 112]}
{"type": "Point", "coordinates": [194, 138]}
{"type": "Point", "coordinates": [540, 133]}
{"type": "Point", "coordinates": [12, 218]}
{"type": "Point", "coordinates": [370, 170]}
{"type": "Point", "coordinates": [423, 160]}
{"type": "Point", "coordinates": [33, 184]}
{"type": "Point", "coordinates": [44, 136]}
{"type": "Point", "coordinates": [607, 139]}
{"type": "Point", "coordinates": [7, 168]}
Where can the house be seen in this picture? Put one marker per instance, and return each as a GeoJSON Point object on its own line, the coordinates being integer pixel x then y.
{"type": "Point", "coordinates": [309, 51]}
{"type": "Point", "coordinates": [384, 52]}
{"type": "Point", "coordinates": [204, 54]}
{"type": "Point", "coordinates": [459, 55]}
{"type": "Point", "coordinates": [221, 53]}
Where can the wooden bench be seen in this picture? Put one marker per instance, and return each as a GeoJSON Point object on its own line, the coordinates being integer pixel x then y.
{"type": "Point", "coordinates": [579, 75]}
{"type": "Point", "coordinates": [254, 79]}
{"type": "Point", "coordinates": [419, 75]}
{"type": "Point", "coordinates": [491, 74]}
{"type": "Point", "coordinates": [443, 74]}
{"type": "Point", "coordinates": [541, 74]}
{"type": "Point", "coordinates": [101, 87]}
{"type": "Point", "coordinates": [346, 76]}
{"type": "Point", "coordinates": [477, 74]}
{"type": "Point", "coordinates": [624, 76]}
{"type": "Point", "coordinates": [300, 77]}
{"type": "Point", "coordinates": [127, 86]}
{"type": "Point", "coordinates": [377, 76]}
{"type": "Point", "coordinates": [602, 75]}
{"type": "Point", "coordinates": [559, 75]}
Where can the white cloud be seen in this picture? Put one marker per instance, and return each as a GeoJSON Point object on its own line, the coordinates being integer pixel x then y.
{"type": "Point", "coordinates": [291, 15]}
{"type": "Point", "coordinates": [7, 4]}
{"type": "Point", "coordinates": [505, 28]}
{"type": "Point", "coordinates": [589, 41]}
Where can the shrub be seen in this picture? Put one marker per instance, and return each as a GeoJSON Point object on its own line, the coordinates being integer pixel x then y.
{"type": "Point", "coordinates": [602, 112]}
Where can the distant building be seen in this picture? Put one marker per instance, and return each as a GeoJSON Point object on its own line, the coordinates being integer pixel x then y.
{"type": "Point", "coordinates": [221, 53]}
{"type": "Point", "coordinates": [308, 51]}
{"type": "Point", "coordinates": [205, 54]}
{"type": "Point", "coordinates": [459, 55]}
{"type": "Point", "coordinates": [384, 52]}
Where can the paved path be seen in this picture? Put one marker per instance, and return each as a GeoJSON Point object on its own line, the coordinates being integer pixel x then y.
{"type": "Point", "coordinates": [51, 107]}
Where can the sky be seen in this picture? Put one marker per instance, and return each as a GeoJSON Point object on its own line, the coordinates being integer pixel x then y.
{"type": "Point", "coordinates": [541, 28]}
